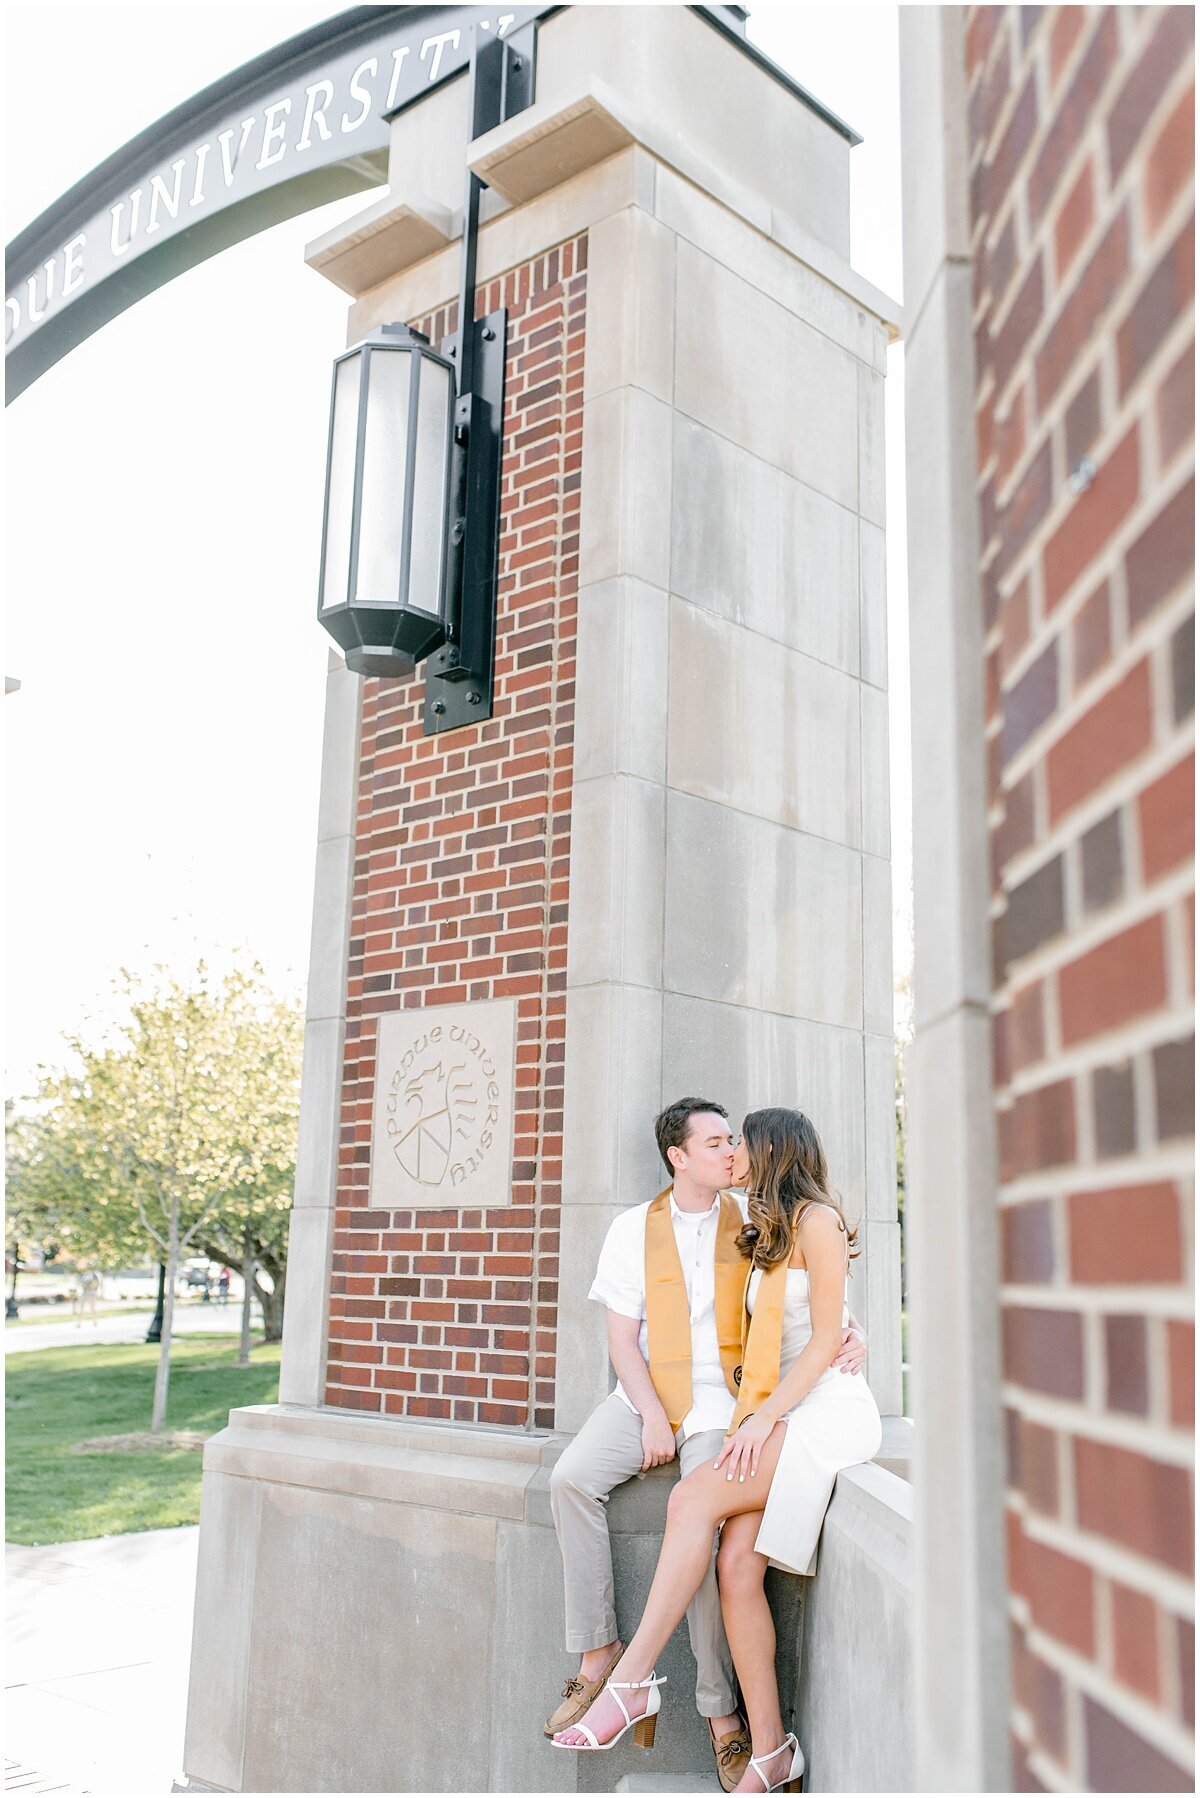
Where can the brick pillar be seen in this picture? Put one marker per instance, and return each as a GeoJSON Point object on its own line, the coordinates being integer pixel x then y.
{"type": "Point", "coordinates": [460, 892]}
{"type": "Point", "coordinates": [1082, 220]}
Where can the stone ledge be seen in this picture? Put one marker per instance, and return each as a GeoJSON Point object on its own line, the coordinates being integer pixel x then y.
{"type": "Point", "coordinates": [896, 1452]}
{"type": "Point", "coordinates": [323, 1450]}
{"type": "Point", "coordinates": [408, 1462]}
{"type": "Point", "coordinates": [873, 1506]}
{"type": "Point", "coordinates": [668, 1782]}
{"type": "Point", "coordinates": [385, 237]}
{"type": "Point", "coordinates": [541, 150]}
{"type": "Point", "coordinates": [545, 146]}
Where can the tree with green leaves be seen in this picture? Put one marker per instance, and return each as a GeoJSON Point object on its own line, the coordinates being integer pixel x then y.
{"type": "Point", "coordinates": [185, 1118]}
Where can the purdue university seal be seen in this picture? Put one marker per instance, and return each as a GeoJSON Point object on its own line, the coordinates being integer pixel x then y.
{"type": "Point", "coordinates": [443, 1106]}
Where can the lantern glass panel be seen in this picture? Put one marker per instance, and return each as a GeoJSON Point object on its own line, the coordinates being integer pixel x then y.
{"type": "Point", "coordinates": [385, 459]}
{"type": "Point", "coordinates": [426, 574]}
{"type": "Point", "coordinates": [340, 501]}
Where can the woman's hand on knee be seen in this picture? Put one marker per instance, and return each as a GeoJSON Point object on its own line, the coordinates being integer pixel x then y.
{"type": "Point", "coordinates": [741, 1452]}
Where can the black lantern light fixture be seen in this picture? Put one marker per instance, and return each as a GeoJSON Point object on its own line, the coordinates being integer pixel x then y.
{"type": "Point", "coordinates": [384, 586]}
{"type": "Point", "coordinates": [411, 530]}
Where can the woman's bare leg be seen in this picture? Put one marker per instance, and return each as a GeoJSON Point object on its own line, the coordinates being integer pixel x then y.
{"type": "Point", "coordinates": [696, 1507]}
{"type": "Point", "coordinates": [750, 1628]}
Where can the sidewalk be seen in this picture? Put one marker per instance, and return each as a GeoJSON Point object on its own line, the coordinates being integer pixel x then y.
{"type": "Point", "coordinates": [98, 1639]}
{"type": "Point", "coordinates": [190, 1320]}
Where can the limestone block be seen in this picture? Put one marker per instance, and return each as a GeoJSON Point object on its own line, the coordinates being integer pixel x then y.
{"type": "Point", "coordinates": [805, 276]}
{"type": "Point", "coordinates": [960, 1652]}
{"type": "Point", "coordinates": [320, 1112]}
{"type": "Point", "coordinates": [879, 1079]}
{"type": "Point", "coordinates": [528, 1664]}
{"type": "Point", "coordinates": [621, 681]}
{"type": "Point", "coordinates": [763, 550]}
{"type": "Point", "coordinates": [332, 885]}
{"type": "Point", "coordinates": [613, 1092]}
{"type": "Point", "coordinates": [444, 1107]}
{"type": "Point", "coordinates": [420, 1594]}
{"type": "Point", "coordinates": [936, 153]}
{"type": "Point", "coordinates": [550, 142]}
{"type": "Point", "coordinates": [508, 238]}
{"type": "Point", "coordinates": [584, 1376]}
{"type": "Point", "coordinates": [339, 752]}
{"type": "Point", "coordinates": [950, 862]}
{"type": "Point", "coordinates": [895, 1452]}
{"type": "Point", "coordinates": [382, 239]}
{"type": "Point", "coordinates": [670, 1782]}
{"type": "Point", "coordinates": [860, 1615]}
{"type": "Point", "coordinates": [749, 1059]}
{"type": "Point", "coordinates": [876, 779]}
{"type": "Point", "coordinates": [875, 1298]}
{"type": "Point", "coordinates": [630, 306]}
{"type": "Point", "coordinates": [425, 156]}
{"type": "Point", "coordinates": [625, 507]}
{"type": "Point", "coordinates": [444, 1592]}
{"type": "Point", "coordinates": [755, 133]}
{"type": "Point", "coordinates": [216, 1720]}
{"type": "Point", "coordinates": [763, 378]}
{"type": "Point", "coordinates": [786, 936]}
{"type": "Point", "coordinates": [376, 1458]}
{"type": "Point", "coordinates": [306, 1314]}
{"type": "Point", "coordinates": [877, 944]}
{"type": "Point", "coordinates": [617, 879]}
{"type": "Point", "coordinates": [872, 502]}
{"type": "Point", "coordinates": [873, 626]}
{"type": "Point", "coordinates": [761, 728]}
{"type": "Point", "coordinates": [951, 1171]}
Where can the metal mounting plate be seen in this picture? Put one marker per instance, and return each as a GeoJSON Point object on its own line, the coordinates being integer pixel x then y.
{"type": "Point", "coordinates": [459, 675]}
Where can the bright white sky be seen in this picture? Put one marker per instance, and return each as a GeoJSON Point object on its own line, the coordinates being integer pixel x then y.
{"type": "Point", "coordinates": [164, 494]}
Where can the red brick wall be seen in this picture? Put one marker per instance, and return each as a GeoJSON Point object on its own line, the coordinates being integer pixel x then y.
{"type": "Point", "coordinates": [1080, 129]}
{"type": "Point", "coordinates": [460, 893]}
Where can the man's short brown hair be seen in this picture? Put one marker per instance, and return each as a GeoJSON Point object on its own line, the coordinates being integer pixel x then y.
{"type": "Point", "coordinates": [671, 1125]}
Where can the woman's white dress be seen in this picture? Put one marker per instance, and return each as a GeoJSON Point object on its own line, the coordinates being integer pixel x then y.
{"type": "Point", "coordinates": [834, 1426]}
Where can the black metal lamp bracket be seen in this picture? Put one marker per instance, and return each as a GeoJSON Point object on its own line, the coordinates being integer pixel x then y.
{"type": "Point", "coordinates": [459, 677]}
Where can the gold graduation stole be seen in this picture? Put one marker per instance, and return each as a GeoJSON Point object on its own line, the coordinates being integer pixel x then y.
{"type": "Point", "coordinates": [745, 1343]}
{"type": "Point", "coordinates": [762, 1343]}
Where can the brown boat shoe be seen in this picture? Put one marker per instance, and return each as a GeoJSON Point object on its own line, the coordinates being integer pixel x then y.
{"type": "Point", "coordinates": [578, 1696]}
{"type": "Point", "coordinates": [733, 1755]}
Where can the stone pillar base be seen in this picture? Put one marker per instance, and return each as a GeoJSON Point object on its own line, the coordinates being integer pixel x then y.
{"type": "Point", "coordinates": [379, 1609]}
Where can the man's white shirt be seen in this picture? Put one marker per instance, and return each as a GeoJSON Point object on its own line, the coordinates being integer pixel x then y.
{"type": "Point", "coordinates": [620, 1285]}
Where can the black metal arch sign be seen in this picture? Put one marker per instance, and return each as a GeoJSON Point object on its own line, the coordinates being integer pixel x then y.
{"type": "Point", "coordinates": [303, 124]}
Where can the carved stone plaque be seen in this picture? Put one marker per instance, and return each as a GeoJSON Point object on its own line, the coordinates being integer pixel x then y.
{"type": "Point", "coordinates": [444, 1092]}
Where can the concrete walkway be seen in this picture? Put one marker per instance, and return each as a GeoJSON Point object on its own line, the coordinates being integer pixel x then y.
{"type": "Point", "coordinates": [98, 1639]}
{"type": "Point", "coordinates": [198, 1320]}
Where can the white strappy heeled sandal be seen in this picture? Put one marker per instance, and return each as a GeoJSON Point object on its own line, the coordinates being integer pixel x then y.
{"type": "Point", "coordinates": [793, 1779]}
{"type": "Point", "coordinates": [643, 1727]}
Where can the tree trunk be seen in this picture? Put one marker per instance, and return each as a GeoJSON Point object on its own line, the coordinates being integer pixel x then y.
{"type": "Point", "coordinates": [272, 1304]}
{"type": "Point", "coordinates": [163, 1376]}
{"type": "Point", "coordinates": [247, 1302]}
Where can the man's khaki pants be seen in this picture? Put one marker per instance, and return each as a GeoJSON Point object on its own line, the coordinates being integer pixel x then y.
{"type": "Point", "coordinates": [607, 1452]}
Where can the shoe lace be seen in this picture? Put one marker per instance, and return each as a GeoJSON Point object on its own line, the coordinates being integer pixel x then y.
{"type": "Point", "coordinates": [573, 1687]}
{"type": "Point", "coordinates": [730, 1750]}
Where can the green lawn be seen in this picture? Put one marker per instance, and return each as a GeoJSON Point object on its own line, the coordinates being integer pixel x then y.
{"type": "Point", "coordinates": [59, 1397]}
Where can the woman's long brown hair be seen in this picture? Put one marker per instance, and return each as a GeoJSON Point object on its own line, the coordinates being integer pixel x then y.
{"type": "Point", "coordinates": [788, 1173]}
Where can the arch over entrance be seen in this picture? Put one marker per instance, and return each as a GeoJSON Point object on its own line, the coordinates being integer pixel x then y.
{"type": "Point", "coordinates": [302, 124]}
{"type": "Point", "coordinates": [305, 123]}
